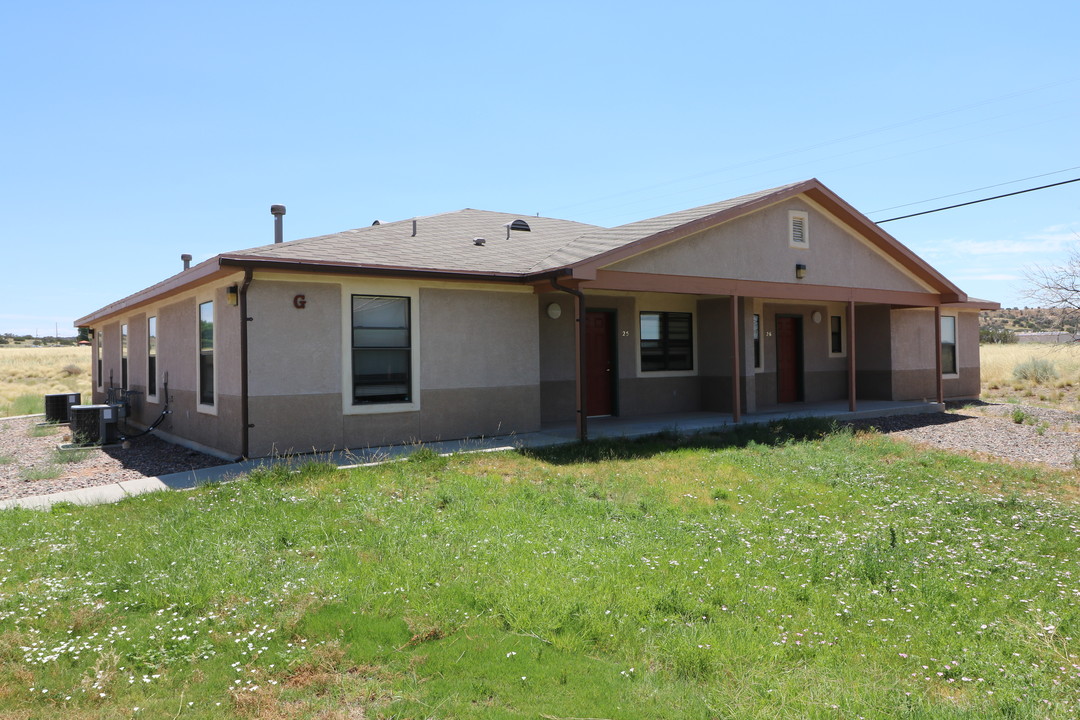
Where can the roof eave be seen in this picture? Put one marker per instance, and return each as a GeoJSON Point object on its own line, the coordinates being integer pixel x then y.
{"type": "Point", "coordinates": [202, 273]}
{"type": "Point", "coordinates": [256, 262]}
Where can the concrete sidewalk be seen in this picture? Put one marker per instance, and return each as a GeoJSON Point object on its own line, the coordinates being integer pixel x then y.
{"type": "Point", "coordinates": [612, 427]}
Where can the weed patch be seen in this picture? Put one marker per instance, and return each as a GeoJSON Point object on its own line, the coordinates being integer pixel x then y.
{"type": "Point", "coordinates": [43, 430]}
{"type": "Point", "coordinates": [41, 472]}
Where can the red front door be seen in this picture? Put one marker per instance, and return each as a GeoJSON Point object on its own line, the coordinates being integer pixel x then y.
{"type": "Point", "coordinates": [599, 362]}
{"type": "Point", "coordinates": [788, 359]}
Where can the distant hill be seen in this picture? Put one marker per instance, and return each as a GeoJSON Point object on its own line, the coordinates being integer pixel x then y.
{"type": "Point", "coordinates": [1027, 320]}
{"type": "Point", "coordinates": [13, 340]}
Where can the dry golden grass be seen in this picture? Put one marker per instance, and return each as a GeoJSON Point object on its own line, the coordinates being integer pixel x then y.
{"type": "Point", "coordinates": [28, 374]}
{"type": "Point", "coordinates": [998, 382]}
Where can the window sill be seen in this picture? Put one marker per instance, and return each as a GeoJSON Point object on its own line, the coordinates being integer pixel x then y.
{"type": "Point", "coordinates": [379, 408]}
{"type": "Point", "coordinates": [666, 373]}
{"type": "Point", "coordinates": [206, 409]}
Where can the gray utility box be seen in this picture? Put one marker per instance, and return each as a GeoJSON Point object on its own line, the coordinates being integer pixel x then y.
{"type": "Point", "coordinates": [94, 424]}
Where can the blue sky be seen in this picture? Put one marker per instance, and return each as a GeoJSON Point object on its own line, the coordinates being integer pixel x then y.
{"type": "Point", "coordinates": [134, 132]}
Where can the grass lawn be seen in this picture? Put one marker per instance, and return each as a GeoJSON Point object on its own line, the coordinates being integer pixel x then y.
{"type": "Point", "coordinates": [812, 574]}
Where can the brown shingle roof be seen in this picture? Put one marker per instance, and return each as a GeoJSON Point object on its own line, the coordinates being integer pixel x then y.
{"type": "Point", "coordinates": [445, 242]}
{"type": "Point", "coordinates": [442, 242]}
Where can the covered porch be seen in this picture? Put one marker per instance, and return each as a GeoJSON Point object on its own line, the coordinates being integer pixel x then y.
{"type": "Point", "coordinates": [691, 360]}
{"type": "Point", "coordinates": [701, 421]}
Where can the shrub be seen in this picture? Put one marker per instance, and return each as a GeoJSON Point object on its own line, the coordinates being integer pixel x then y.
{"type": "Point", "coordinates": [1037, 370]}
{"type": "Point", "coordinates": [996, 335]}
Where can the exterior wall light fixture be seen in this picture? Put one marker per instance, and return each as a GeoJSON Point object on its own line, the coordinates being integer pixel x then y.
{"type": "Point", "coordinates": [232, 294]}
{"type": "Point", "coordinates": [800, 272]}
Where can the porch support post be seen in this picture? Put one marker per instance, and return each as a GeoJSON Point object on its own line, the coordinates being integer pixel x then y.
{"type": "Point", "coordinates": [579, 352]}
{"type": "Point", "coordinates": [736, 385]}
{"type": "Point", "coordinates": [580, 385]}
{"type": "Point", "coordinates": [851, 389]}
{"type": "Point", "coordinates": [937, 354]}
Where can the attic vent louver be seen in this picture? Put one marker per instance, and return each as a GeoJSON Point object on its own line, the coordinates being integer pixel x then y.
{"type": "Point", "coordinates": [798, 230]}
{"type": "Point", "coordinates": [519, 225]}
{"type": "Point", "coordinates": [479, 241]}
{"type": "Point", "coordinates": [377, 222]}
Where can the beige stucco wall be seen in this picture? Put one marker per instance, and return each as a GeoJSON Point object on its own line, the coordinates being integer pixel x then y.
{"type": "Point", "coordinates": [473, 339]}
{"type": "Point", "coordinates": [176, 356]}
{"type": "Point", "coordinates": [476, 371]}
{"type": "Point", "coordinates": [914, 350]}
{"type": "Point", "coordinates": [756, 247]}
{"type": "Point", "coordinates": [294, 351]}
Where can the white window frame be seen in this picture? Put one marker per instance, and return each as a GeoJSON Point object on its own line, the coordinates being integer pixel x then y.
{"type": "Point", "coordinates": [955, 344]}
{"type": "Point", "coordinates": [154, 397]}
{"type": "Point", "coordinates": [388, 288]}
{"type": "Point", "coordinates": [804, 216]}
{"type": "Point", "coordinates": [199, 405]}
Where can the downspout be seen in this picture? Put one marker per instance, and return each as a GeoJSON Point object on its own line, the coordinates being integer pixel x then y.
{"type": "Point", "coordinates": [244, 320]}
{"type": "Point", "coordinates": [579, 307]}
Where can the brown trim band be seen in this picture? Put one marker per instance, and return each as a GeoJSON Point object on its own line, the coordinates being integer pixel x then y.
{"type": "Point", "coordinates": [649, 282]}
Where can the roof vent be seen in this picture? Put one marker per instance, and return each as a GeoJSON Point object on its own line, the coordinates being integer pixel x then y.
{"type": "Point", "coordinates": [479, 241]}
{"type": "Point", "coordinates": [414, 228]}
{"type": "Point", "coordinates": [377, 222]}
{"type": "Point", "coordinates": [187, 260]}
{"type": "Point", "coordinates": [519, 225]}
{"type": "Point", "coordinates": [277, 211]}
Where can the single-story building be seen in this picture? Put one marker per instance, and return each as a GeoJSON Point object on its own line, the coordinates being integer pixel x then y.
{"type": "Point", "coordinates": [476, 323]}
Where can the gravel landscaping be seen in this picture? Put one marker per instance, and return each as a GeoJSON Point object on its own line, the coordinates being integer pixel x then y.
{"type": "Point", "coordinates": [1043, 436]}
{"type": "Point", "coordinates": [30, 463]}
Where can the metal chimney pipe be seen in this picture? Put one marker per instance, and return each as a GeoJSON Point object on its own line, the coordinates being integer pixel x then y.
{"type": "Point", "coordinates": [414, 228]}
{"type": "Point", "coordinates": [187, 260]}
{"type": "Point", "coordinates": [277, 211]}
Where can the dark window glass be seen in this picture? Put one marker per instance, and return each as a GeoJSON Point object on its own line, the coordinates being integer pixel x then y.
{"type": "Point", "coordinates": [123, 356]}
{"type": "Point", "coordinates": [836, 334]}
{"type": "Point", "coordinates": [100, 364]}
{"type": "Point", "coordinates": [151, 356]}
{"type": "Point", "coordinates": [948, 345]}
{"type": "Point", "coordinates": [757, 341]}
{"type": "Point", "coordinates": [667, 341]}
{"type": "Point", "coordinates": [206, 353]}
{"type": "Point", "coordinates": [382, 349]}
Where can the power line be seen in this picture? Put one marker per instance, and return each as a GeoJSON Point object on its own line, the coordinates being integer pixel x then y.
{"type": "Point", "coordinates": [965, 192]}
{"type": "Point", "coordinates": [975, 202]}
{"type": "Point", "coordinates": [815, 146]}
